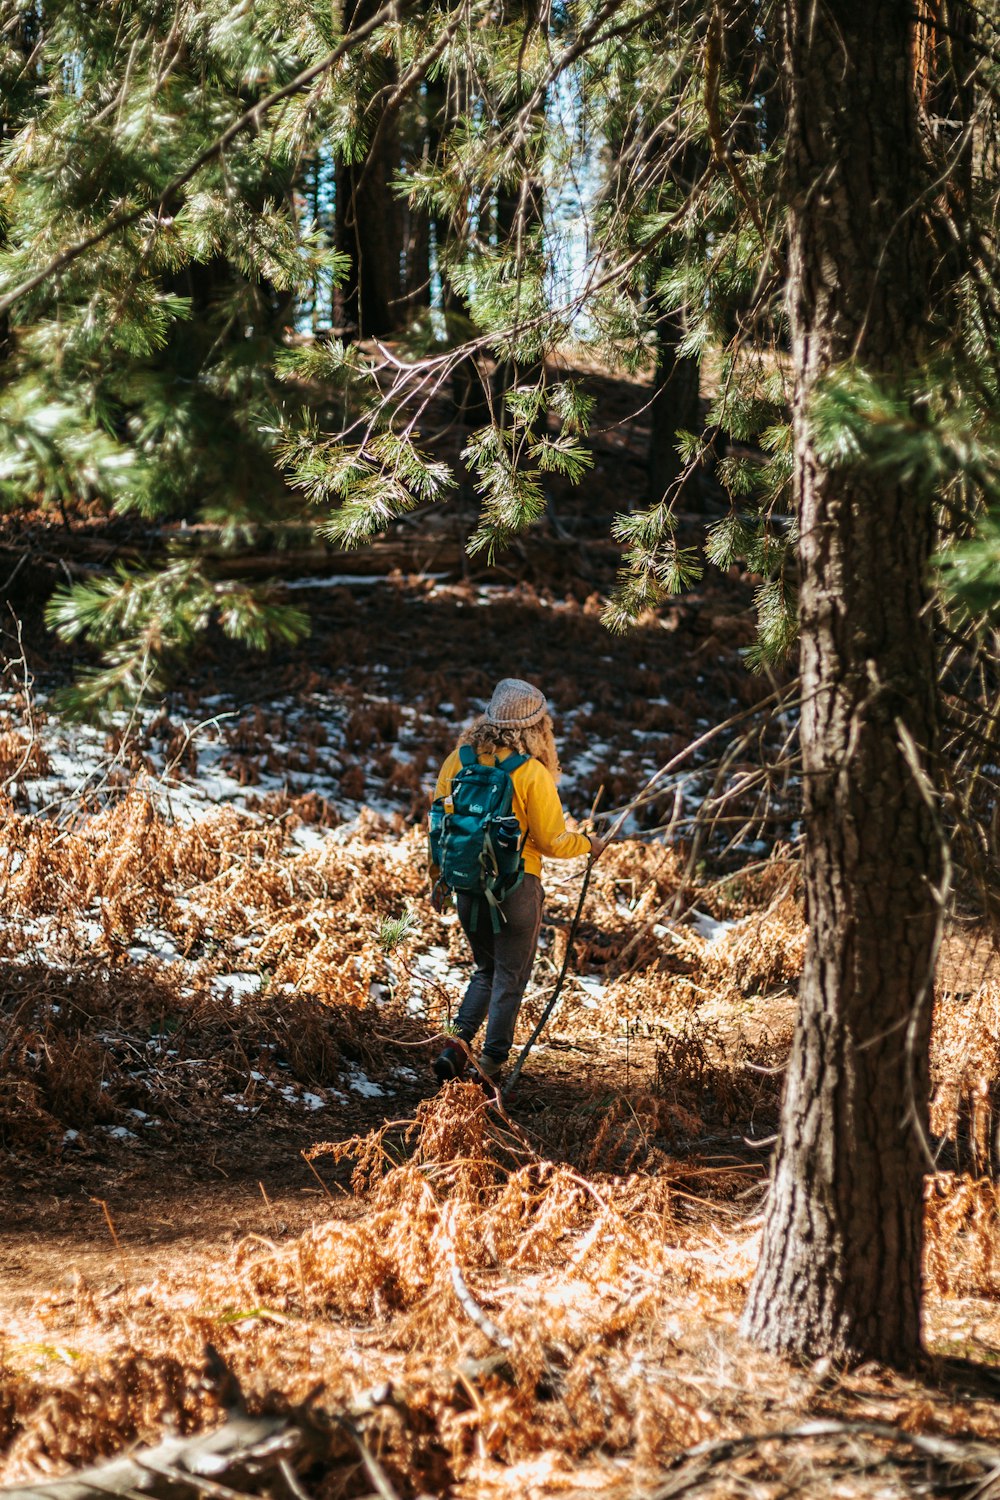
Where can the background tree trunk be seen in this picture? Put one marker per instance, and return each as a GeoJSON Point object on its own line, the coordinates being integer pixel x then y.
{"type": "Point", "coordinates": [520, 205]}
{"type": "Point", "coordinates": [675, 404]}
{"type": "Point", "coordinates": [419, 135]}
{"type": "Point", "coordinates": [370, 232]}
{"type": "Point", "coordinates": [369, 221]}
{"type": "Point", "coordinates": [17, 87]}
{"type": "Point", "coordinates": [840, 1267]}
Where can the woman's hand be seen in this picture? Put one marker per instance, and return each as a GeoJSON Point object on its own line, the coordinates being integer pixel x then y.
{"type": "Point", "coordinates": [597, 846]}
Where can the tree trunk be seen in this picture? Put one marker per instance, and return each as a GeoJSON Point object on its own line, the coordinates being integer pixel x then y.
{"type": "Point", "coordinates": [840, 1266]}
{"type": "Point", "coordinates": [419, 134]}
{"type": "Point", "coordinates": [369, 231]}
{"type": "Point", "coordinates": [674, 405]}
{"type": "Point", "coordinates": [520, 204]}
{"type": "Point", "coordinates": [518, 216]}
{"type": "Point", "coordinates": [22, 33]}
{"type": "Point", "coordinates": [369, 228]}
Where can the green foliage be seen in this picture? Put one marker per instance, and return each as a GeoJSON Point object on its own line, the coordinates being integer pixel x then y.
{"type": "Point", "coordinates": [142, 622]}
{"type": "Point", "coordinates": [942, 427]}
{"type": "Point", "coordinates": [970, 569]}
{"type": "Point", "coordinates": [153, 372]}
{"type": "Point", "coordinates": [55, 446]}
{"type": "Point", "coordinates": [654, 565]}
{"type": "Point", "coordinates": [139, 373]}
{"type": "Point", "coordinates": [777, 623]}
{"type": "Point", "coordinates": [590, 177]}
{"type": "Point", "coordinates": [510, 460]}
{"type": "Point", "coordinates": [371, 482]}
{"type": "Point", "coordinates": [395, 930]}
{"type": "Point", "coordinates": [940, 434]}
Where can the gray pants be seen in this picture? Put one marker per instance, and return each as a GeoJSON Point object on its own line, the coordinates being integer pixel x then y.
{"type": "Point", "coordinates": [503, 965]}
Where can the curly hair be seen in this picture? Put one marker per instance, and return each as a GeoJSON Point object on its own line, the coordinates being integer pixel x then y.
{"type": "Point", "coordinates": [537, 740]}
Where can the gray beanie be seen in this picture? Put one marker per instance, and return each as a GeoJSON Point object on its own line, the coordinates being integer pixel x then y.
{"type": "Point", "coordinates": [516, 704]}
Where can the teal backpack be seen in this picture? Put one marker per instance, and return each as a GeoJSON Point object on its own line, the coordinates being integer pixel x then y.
{"type": "Point", "coordinates": [475, 839]}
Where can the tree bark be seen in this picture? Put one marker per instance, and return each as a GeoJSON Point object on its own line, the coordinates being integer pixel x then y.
{"type": "Point", "coordinates": [674, 405]}
{"type": "Point", "coordinates": [369, 227]}
{"type": "Point", "coordinates": [520, 205]}
{"type": "Point", "coordinates": [840, 1266]}
{"type": "Point", "coordinates": [420, 135]}
{"type": "Point", "coordinates": [369, 231]}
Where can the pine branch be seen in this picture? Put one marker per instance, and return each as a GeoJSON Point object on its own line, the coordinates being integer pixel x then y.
{"type": "Point", "coordinates": [407, 85]}
{"type": "Point", "coordinates": [250, 119]}
{"type": "Point", "coordinates": [721, 153]}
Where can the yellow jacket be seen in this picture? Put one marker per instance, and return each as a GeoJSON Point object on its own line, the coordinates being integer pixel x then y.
{"type": "Point", "coordinates": [536, 807]}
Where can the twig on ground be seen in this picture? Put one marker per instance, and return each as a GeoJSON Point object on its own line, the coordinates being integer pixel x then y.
{"type": "Point", "coordinates": [212, 1463]}
{"type": "Point", "coordinates": [21, 661]}
{"type": "Point", "coordinates": [379, 1478]}
{"type": "Point", "coordinates": [469, 1304]}
{"type": "Point", "coordinates": [711, 1455]}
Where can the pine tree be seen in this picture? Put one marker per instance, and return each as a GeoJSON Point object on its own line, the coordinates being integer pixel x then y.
{"type": "Point", "coordinates": [841, 1266]}
{"type": "Point", "coordinates": [156, 253]}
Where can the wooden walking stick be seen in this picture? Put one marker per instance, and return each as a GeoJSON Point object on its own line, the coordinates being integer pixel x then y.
{"type": "Point", "coordinates": [540, 1023]}
{"type": "Point", "coordinates": [567, 956]}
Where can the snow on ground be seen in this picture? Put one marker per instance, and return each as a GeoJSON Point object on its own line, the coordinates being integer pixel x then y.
{"type": "Point", "coordinates": [236, 985]}
{"type": "Point", "coordinates": [594, 990]}
{"type": "Point", "coordinates": [259, 759]}
{"type": "Point", "coordinates": [708, 927]}
{"type": "Point", "coordinates": [432, 973]}
{"type": "Point", "coordinates": [287, 746]}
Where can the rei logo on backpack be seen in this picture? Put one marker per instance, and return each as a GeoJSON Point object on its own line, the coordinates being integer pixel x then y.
{"type": "Point", "coordinates": [475, 839]}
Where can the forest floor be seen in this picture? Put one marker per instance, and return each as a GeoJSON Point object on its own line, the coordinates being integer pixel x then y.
{"type": "Point", "coordinates": [223, 1147]}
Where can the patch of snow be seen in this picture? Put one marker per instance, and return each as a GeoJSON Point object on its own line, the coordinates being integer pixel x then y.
{"type": "Point", "coordinates": [434, 964]}
{"type": "Point", "coordinates": [594, 990]}
{"type": "Point", "coordinates": [151, 942]}
{"type": "Point", "coordinates": [345, 580]}
{"type": "Point", "coordinates": [236, 985]}
{"type": "Point", "coordinates": [707, 927]}
{"type": "Point", "coordinates": [360, 1083]}
{"type": "Point", "coordinates": [309, 837]}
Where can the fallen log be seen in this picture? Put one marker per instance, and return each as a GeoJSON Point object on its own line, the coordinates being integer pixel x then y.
{"type": "Point", "coordinates": [545, 561]}
{"type": "Point", "coordinates": [248, 1456]}
{"type": "Point", "coordinates": [230, 1460]}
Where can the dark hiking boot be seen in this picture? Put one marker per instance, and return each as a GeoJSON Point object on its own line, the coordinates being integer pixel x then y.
{"type": "Point", "coordinates": [449, 1063]}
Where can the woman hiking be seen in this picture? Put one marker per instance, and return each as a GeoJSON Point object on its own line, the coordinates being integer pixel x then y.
{"type": "Point", "coordinates": [515, 725]}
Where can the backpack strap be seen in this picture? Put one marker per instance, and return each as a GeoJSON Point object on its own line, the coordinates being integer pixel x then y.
{"type": "Point", "coordinates": [468, 757]}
